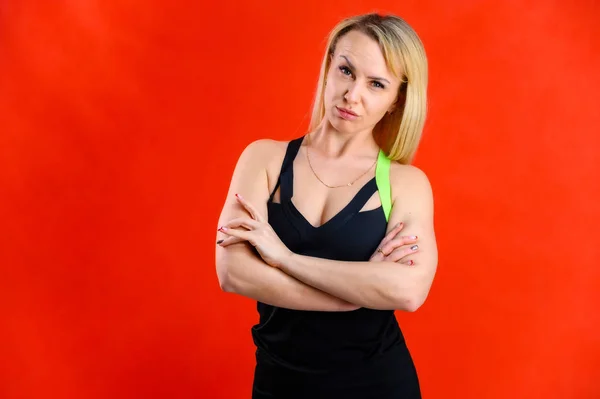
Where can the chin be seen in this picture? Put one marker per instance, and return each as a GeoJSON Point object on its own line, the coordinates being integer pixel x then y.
{"type": "Point", "coordinates": [343, 126]}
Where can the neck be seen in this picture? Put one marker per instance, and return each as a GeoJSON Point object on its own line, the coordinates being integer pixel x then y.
{"type": "Point", "coordinates": [335, 144]}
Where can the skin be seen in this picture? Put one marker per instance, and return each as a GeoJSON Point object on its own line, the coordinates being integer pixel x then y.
{"type": "Point", "coordinates": [398, 277]}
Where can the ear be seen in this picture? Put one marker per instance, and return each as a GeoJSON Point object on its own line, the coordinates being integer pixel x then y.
{"type": "Point", "coordinates": [330, 61]}
{"type": "Point", "coordinates": [401, 97]}
{"type": "Point", "coordinates": [392, 107]}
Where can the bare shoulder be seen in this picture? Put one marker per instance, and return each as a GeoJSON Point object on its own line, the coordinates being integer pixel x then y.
{"type": "Point", "coordinates": [410, 179]}
{"type": "Point", "coordinates": [251, 177]}
{"type": "Point", "coordinates": [265, 145]}
{"type": "Point", "coordinates": [412, 203]}
{"type": "Point", "coordinates": [265, 152]}
{"type": "Point", "coordinates": [257, 168]}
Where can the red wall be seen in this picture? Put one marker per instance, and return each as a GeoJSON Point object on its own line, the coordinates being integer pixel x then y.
{"type": "Point", "coordinates": [120, 126]}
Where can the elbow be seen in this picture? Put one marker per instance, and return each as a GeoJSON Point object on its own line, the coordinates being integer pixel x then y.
{"type": "Point", "coordinates": [410, 295]}
{"type": "Point", "coordinates": [223, 265]}
{"type": "Point", "coordinates": [225, 283]}
{"type": "Point", "coordinates": [229, 273]}
{"type": "Point", "coordinates": [225, 280]}
{"type": "Point", "coordinates": [412, 305]}
{"type": "Point", "coordinates": [409, 302]}
{"type": "Point", "coordinates": [397, 300]}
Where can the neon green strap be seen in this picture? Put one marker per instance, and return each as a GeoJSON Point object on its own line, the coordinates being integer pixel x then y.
{"type": "Point", "coordinates": [382, 178]}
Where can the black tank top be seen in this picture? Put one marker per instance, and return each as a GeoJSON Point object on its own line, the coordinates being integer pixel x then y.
{"type": "Point", "coordinates": [312, 341]}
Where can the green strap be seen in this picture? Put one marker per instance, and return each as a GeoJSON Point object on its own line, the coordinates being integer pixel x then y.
{"type": "Point", "coordinates": [382, 178]}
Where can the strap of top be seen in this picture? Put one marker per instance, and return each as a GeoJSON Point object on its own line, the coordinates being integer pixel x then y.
{"type": "Point", "coordinates": [382, 177]}
{"type": "Point", "coordinates": [286, 180]}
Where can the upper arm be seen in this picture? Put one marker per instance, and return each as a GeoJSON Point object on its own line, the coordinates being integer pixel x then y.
{"type": "Point", "coordinates": [413, 205]}
{"type": "Point", "coordinates": [249, 179]}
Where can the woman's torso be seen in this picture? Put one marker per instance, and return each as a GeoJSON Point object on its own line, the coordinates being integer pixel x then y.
{"type": "Point", "coordinates": [318, 342]}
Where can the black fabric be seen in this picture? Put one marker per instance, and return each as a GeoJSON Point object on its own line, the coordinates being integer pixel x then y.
{"type": "Point", "coordinates": [308, 355]}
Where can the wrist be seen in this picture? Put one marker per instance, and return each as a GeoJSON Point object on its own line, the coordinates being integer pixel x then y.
{"type": "Point", "coordinates": [285, 262]}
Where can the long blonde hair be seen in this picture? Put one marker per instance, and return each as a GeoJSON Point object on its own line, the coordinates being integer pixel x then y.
{"type": "Point", "coordinates": [398, 133]}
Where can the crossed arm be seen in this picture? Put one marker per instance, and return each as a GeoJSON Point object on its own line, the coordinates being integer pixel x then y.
{"type": "Point", "coordinates": [308, 283]}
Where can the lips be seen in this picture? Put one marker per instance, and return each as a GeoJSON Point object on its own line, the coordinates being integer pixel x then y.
{"type": "Point", "coordinates": [346, 114]}
{"type": "Point", "coordinates": [347, 111]}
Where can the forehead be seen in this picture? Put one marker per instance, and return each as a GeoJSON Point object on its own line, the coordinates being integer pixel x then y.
{"type": "Point", "coordinates": [363, 51]}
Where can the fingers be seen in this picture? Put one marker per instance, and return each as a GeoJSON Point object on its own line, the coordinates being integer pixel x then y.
{"type": "Point", "coordinates": [247, 223]}
{"type": "Point", "coordinates": [392, 234]}
{"type": "Point", "coordinates": [408, 262]}
{"type": "Point", "coordinates": [243, 235]}
{"type": "Point", "coordinates": [252, 223]}
{"type": "Point", "coordinates": [398, 242]}
{"type": "Point", "coordinates": [377, 256]}
{"type": "Point", "coordinates": [399, 254]}
{"type": "Point", "coordinates": [229, 241]}
{"type": "Point", "coordinates": [384, 248]}
{"type": "Point", "coordinates": [250, 208]}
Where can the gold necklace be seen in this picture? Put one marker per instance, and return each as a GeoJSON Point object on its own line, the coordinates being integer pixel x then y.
{"type": "Point", "coordinates": [327, 185]}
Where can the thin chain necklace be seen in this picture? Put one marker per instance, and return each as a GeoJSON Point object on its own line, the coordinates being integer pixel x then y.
{"type": "Point", "coordinates": [327, 185]}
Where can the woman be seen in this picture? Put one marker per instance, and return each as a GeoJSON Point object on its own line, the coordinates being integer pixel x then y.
{"type": "Point", "coordinates": [311, 228]}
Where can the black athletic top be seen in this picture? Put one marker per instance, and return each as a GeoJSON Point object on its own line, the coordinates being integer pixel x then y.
{"type": "Point", "coordinates": [311, 354]}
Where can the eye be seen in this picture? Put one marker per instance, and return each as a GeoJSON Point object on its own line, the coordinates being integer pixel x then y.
{"type": "Point", "coordinates": [345, 70]}
{"type": "Point", "coordinates": [378, 84]}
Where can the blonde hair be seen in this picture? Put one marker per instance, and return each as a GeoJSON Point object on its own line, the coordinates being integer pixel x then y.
{"type": "Point", "coordinates": [398, 133]}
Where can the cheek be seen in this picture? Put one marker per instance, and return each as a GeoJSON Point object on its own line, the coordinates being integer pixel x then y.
{"type": "Point", "coordinates": [377, 106]}
{"type": "Point", "coordinates": [330, 91]}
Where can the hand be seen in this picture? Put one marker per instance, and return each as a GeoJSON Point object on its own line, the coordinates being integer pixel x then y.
{"type": "Point", "coordinates": [394, 248]}
{"type": "Point", "coordinates": [258, 232]}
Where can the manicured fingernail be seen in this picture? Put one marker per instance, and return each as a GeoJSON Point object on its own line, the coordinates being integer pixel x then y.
{"type": "Point", "coordinates": [413, 237]}
{"type": "Point", "coordinates": [411, 262]}
{"type": "Point", "coordinates": [220, 241]}
{"type": "Point", "coordinates": [414, 247]}
{"type": "Point", "coordinates": [222, 228]}
{"type": "Point", "coordinates": [239, 196]}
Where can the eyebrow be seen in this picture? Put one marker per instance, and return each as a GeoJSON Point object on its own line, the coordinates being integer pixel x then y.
{"type": "Point", "coordinates": [370, 77]}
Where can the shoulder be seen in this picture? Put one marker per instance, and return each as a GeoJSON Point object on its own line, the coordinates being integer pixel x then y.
{"type": "Point", "coordinates": [263, 147]}
{"type": "Point", "coordinates": [262, 157]}
{"type": "Point", "coordinates": [263, 152]}
{"type": "Point", "coordinates": [409, 175]}
{"type": "Point", "coordinates": [251, 176]}
{"type": "Point", "coordinates": [409, 183]}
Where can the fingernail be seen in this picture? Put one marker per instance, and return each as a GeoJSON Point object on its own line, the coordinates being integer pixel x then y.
{"type": "Point", "coordinates": [239, 196]}
{"type": "Point", "coordinates": [414, 247]}
{"type": "Point", "coordinates": [220, 241]}
{"type": "Point", "coordinates": [411, 262]}
{"type": "Point", "coordinates": [222, 228]}
{"type": "Point", "coordinates": [413, 237]}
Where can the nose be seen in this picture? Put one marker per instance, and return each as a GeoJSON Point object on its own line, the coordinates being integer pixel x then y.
{"type": "Point", "coordinates": [352, 95]}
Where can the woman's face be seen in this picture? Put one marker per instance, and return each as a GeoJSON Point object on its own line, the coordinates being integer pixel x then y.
{"type": "Point", "coordinates": [360, 88]}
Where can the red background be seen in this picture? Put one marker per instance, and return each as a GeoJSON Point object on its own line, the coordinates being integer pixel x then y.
{"type": "Point", "coordinates": [121, 122]}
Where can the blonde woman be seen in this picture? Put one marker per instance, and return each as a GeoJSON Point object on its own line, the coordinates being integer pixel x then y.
{"type": "Point", "coordinates": [333, 231]}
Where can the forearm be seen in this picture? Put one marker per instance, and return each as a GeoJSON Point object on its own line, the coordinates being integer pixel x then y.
{"type": "Point", "coordinates": [243, 272]}
{"type": "Point", "coordinates": [374, 285]}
